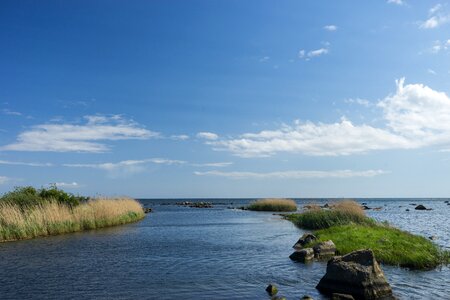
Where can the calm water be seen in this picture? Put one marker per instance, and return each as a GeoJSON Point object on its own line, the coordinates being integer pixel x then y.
{"type": "Point", "coordinates": [188, 253]}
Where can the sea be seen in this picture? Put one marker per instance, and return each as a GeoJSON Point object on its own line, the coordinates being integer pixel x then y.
{"type": "Point", "coordinates": [178, 252]}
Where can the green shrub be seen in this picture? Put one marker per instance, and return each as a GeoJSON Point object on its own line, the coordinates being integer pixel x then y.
{"type": "Point", "coordinates": [28, 196]}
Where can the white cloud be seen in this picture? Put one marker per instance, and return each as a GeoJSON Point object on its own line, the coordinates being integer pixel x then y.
{"type": "Point", "coordinates": [264, 59]}
{"type": "Point", "coordinates": [435, 9]}
{"type": "Point", "coordinates": [29, 164]}
{"type": "Point", "coordinates": [179, 137]}
{"type": "Point", "coordinates": [294, 174]}
{"type": "Point", "coordinates": [126, 167]}
{"type": "Point", "coordinates": [397, 2]}
{"type": "Point", "coordinates": [207, 135]}
{"type": "Point", "coordinates": [4, 179]}
{"type": "Point", "coordinates": [330, 27]}
{"type": "Point", "coordinates": [359, 101]}
{"type": "Point", "coordinates": [318, 52]}
{"type": "Point", "coordinates": [215, 164]}
{"type": "Point", "coordinates": [431, 71]}
{"type": "Point", "coordinates": [79, 138]}
{"type": "Point", "coordinates": [414, 116]}
{"type": "Point", "coordinates": [436, 18]}
{"type": "Point", "coordinates": [67, 184]}
{"type": "Point", "coordinates": [439, 46]}
{"type": "Point", "coordinates": [6, 111]}
{"type": "Point", "coordinates": [301, 53]}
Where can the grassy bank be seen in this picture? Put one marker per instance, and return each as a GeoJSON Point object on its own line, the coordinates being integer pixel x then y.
{"type": "Point", "coordinates": [350, 229]}
{"type": "Point", "coordinates": [273, 204]}
{"type": "Point", "coordinates": [51, 217]}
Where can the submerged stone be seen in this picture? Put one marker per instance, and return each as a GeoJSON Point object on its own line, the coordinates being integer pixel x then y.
{"type": "Point", "coordinates": [337, 296]}
{"type": "Point", "coordinates": [357, 274]}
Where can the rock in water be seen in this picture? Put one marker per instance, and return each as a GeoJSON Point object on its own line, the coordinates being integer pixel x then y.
{"type": "Point", "coordinates": [420, 207]}
{"type": "Point", "coordinates": [307, 297]}
{"type": "Point", "coordinates": [325, 249]}
{"type": "Point", "coordinates": [303, 255]}
{"type": "Point", "coordinates": [271, 289]}
{"type": "Point", "coordinates": [303, 240]}
{"type": "Point", "coordinates": [357, 274]}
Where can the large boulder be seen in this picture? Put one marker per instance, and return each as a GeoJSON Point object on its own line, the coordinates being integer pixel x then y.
{"type": "Point", "coordinates": [303, 240]}
{"type": "Point", "coordinates": [303, 255]}
{"type": "Point", "coordinates": [357, 274]}
{"type": "Point", "coordinates": [325, 249]}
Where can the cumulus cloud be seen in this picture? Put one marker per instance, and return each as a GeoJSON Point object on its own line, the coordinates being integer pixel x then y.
{"type": "Point", "coordinates": [293, 174]}
{"type": "Point", "coordinates": [207, 135]}
{"type": "Point", "coordinates": [79, 137]}
{"type": "Point", "coordinates": [330, 27]}
{"type": "Point", "coordinates": [414, 116]}
{"type": "Point", "coordinates": [29, 164]}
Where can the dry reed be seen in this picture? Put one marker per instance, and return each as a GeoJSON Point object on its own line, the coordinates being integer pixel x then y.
{"type": "Point", "coordinates": [273, 204]}
{"type": "Point", "coordinates": [54, 218]}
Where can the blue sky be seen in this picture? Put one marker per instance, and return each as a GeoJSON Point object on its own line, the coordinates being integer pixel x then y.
{"type": "Point", "coordinates": [226, 98]}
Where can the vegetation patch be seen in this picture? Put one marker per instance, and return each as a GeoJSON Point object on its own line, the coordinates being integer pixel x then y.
{"type": "Point", "coordinates": [346, 224]}
{"type": "Point", "coordinates": [273, 204]}
{"type": "Point", "coordinates": [22, 218]}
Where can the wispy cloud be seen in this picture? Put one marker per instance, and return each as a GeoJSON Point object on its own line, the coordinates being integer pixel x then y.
{"type": "Point", "coordinates": [397, 2]}
{"type": "Point", "coordinates": [431, 71]}
{"type": "Point", "coordinates": [294, 174]}
{"type": "Point", "coordinates": [126, 167]}
{"type": "Point", "coordinates": [214, 164]}
{"type": "Point", "coordinates": [6, 111]}
{"type": "Point", "coordinates": [436, 18]}
{"type": "Point", "coordinates": [29, 164]}
{"type": "Point", "coordinates": [330, 27]}
{"type": "Point", "coordinates": [307, 55]}
{"type": "Point", "coordinates": [264, 59]}
{"type": "Point", "coordinates": [414, 116]}
{"type": "Point", "coordinates": [79, 137]}
{"type": "Point", "coordinates": [207, 135]}
{"type": "Point", "coordinates": [67, 184]}
{"type": "Point", "coordinates": [179, 137]}
{"type": "Point", "coordinates": [4, 179]}
{"type": "Point", "coordinates": [359, 101]}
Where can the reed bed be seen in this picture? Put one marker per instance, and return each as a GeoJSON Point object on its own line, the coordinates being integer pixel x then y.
{"type": "Point", "coordinates": [273, 204]}
{"type": "Point", "coordinates": [339, 213]}
{"type": "Point", "coordinates": [51, 218]}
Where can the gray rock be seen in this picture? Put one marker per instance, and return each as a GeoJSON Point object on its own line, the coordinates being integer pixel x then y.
{"type": "Point", "coordinates": [337, 296]}
{"type": "Point", "coordinates": [307, 297]}
{"type": "Point", "coordinates": [147, 210]}
{"type": "Point", "coordinates": [357, 274]}
{"type": "Point", "coordinates": [272, 289]}
{"type": "Point", "coordinates": [303, 240]}
{"type": "Point", "coordinates": [420, 207]}
{"type": "Point", "coordinates": [325, 249]}
{"type": "Point", "coordinates": [303, 255]}
{"type": "Point", "coordinates": [278, 298]}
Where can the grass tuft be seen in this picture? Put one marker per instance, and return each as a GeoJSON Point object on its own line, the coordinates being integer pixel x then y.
{"type": "Point", "coordinates": [340, 213]}
{"type": "Point", "coordinates": [52, 217]}
{"type": "Point", "coordinates": [273, 204]}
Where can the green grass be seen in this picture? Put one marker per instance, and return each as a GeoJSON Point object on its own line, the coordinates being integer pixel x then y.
{"type": "Point", "coordinates": [321, 218]}
{"type": "Point", "coordinates": [391, 246]}
{"type": "Point", "coordinates": [346, 224]}
{"type": "Point", "coordinates": [273, 205]}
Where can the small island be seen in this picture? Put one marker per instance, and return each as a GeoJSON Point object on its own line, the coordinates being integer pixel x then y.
{"type": "Point", "coordinates": [27, 213]}
{"type": "Point", "coordinates": [346, 224]}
